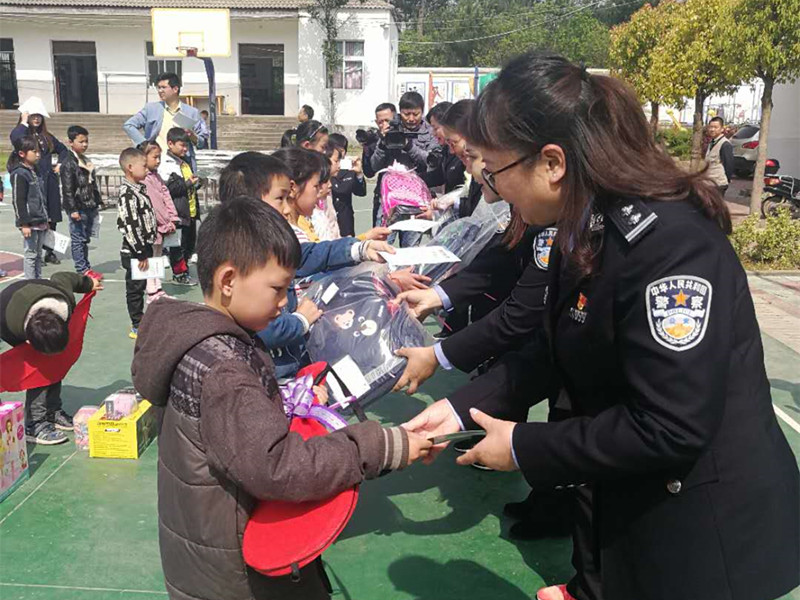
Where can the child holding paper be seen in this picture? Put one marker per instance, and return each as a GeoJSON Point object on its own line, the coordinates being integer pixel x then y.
{"type": "Point", "coordinates": [166, 216]}
{"type": "Point", "coordinates": [137, 223]}
{"type": "Point", "coordinates": [30, 205]}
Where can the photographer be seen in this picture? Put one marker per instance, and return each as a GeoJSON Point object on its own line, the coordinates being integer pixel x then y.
{"type": "Point", "coordinates": [384, 114]}
{"type": "Point", "coordinates": [407, 141]}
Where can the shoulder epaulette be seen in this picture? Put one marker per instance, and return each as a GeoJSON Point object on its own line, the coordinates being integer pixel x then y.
{"type": "Point", "coordinates": [633, 218]}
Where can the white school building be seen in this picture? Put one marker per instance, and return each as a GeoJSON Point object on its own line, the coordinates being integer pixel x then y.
{"type": "Point", "coordinates": [97, 56]}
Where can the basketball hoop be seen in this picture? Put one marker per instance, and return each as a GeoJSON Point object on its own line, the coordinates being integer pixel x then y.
{"type": "Point", "coordinates": [187, 51]}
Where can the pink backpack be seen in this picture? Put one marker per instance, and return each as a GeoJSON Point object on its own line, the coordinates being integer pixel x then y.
{"type": "Point", "coordinates": [401, 186]}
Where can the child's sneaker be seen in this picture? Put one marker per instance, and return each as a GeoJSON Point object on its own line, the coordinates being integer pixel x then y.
{"type": "Point", "coordinates": [183, 279]}
{"type": "Point", "coordinates": [44, 434]}
{"type": "Point", "coordinates": [156, 296]}
{"type": "Point", "coordinates": [61, 420]}
{"type": "Point", "coordinates": [133, 333]}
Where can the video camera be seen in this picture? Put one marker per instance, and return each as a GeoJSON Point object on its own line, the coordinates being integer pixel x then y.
{"type": "Point", "coordinates": [394, 139]}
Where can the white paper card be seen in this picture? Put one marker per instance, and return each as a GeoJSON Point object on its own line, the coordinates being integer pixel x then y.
{"type": "Point", "coordinates": [346, 164]}
{"type": "Point", "coordinates": [96, 227]}
{"type": "Point", "coordinates": [183, 121]}
{"type": "Point", "coordinates": [347, 370]}
{"type": "Point", "coordinates": [155, 268]}
{"type": "Point", "coordinates": [173, 240]}
{"type": "Point", "coordinates": [328, 295]}
{"type": "Point", "coordinates": [58, 241]}
{"type": "Point", "coordinates": [418, 225]}
{"type": "Point", "coordinates": [423, 255]}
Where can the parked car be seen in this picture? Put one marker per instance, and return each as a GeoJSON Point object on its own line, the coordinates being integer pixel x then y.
{"type": "Point", "coordinates": [745, 150]}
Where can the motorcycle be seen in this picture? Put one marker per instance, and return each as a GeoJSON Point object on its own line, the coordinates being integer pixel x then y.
{"type": "Point", "coordinates": [781, 190]}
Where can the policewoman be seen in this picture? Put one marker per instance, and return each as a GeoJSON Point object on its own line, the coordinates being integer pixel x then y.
{"type": "Point", "coordinates": [652, 335]}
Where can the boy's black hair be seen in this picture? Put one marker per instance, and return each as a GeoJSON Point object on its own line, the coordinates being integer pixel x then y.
{"type": "Point", "coordinates": [47, 332]}
{"type": "Point", "coordinates": [24, 144]}
{"type": "Point", "coordinates": [719, 120]}
{"type": "Point", "coordinates": [127, 155]}
{"type": "Point", "coordinates": [245, 232]}
{"type": "Point", "coordinates": [386, 106]}
{"type": "Point", "coordinates": [171, 78]}
{"type": "Point", "coordinates": [336, 141]}
{"type": "Point", "coordinates": [178, 134]}
{"type": "Point", "coordinates": [205, 112]}
{"type": "Point", "coordinates": [76, 130]}
{"type": "Point", "coordinates": [250, 174]}
{"type": "Point", "coordinates": [303, 163]}
{"type": "Point", "coordinates": [438, 111]}
{"type": "Point", "coordinates": [308, 110]}
{"type": "Point", "coordinates": [324, 167]}
{"type": "Point", "coordinates": [411, 100]}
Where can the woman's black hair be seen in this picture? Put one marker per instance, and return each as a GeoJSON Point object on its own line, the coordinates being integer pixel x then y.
{"type": "Point", "coordinates": [438, 111]}
{"type": "Point", "coordinates": [458, 116]}
{"type": "Point", "coordinates": [47, 332]}
{"type": "Point", "coordinates": [599, 124]}
{"type": "Point", "coordinates": [305, 132]}
{"type": "Point", "coordinates": [26, 144]}
{"type": "Point", "coordinates": [325, 167]}
{"type": "Point", "coordinates": [338, 141]}
{"type": "Point", "coordinates": [41, 134]}
{"type": "Point", "coordinates": [303, 164]}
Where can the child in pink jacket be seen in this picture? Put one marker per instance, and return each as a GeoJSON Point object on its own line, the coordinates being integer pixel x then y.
{"type": "Point", "coordinates": [163, 207]}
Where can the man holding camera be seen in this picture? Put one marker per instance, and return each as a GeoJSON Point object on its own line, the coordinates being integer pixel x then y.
{"type": "Point", "coordinates": [407, 140]}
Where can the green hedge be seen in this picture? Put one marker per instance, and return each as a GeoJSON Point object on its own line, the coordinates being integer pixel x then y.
{"type": "Point", "coordinates": [678, 142]}
{"type": "Point", "coordinates": [770, 244]}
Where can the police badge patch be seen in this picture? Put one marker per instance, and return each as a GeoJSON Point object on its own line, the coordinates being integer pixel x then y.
{"type": "Point", "coordinates": [678, 308]}
{"type": "Point", "coordinates": [542, 244]}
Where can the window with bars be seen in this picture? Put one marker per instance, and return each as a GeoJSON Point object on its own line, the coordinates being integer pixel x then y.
{"type": "Point", "coordinates": [9, 97]}
{"type": "Point", "coordinates": [349, 73]}
{"type": "Point", "coordinates": [156, 66]}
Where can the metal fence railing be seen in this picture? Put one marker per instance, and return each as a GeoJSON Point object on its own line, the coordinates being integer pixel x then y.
{"type": "Point", "coordinates": [109, 190]}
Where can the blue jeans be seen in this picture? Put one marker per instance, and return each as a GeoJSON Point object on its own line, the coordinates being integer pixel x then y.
{"type": "Point", "coordinates": [32, 263]}
{"type": "Point", "coordinates": [80, 232]}
{"type": "Point", "coordinates": [408, 239]}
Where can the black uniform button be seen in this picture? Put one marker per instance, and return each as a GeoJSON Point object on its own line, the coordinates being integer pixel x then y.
{"type": "Point", "coordinates": [674, 486]}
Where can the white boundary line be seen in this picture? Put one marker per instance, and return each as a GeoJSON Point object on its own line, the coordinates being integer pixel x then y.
{"type": "Point", "coordinates": [86, 589]}
{"type": "Point", "coordinates": [36, 489]}
{"type": "Point", "coordinates": [787, 419]}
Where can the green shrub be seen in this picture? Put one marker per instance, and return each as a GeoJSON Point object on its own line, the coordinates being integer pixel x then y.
{"type": "Point", "coordinates": [678, 142]}
{"type": "Point", "coordinates": [771, 244]}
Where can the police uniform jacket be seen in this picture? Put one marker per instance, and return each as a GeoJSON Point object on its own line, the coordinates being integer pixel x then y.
{"type": "Point", "coordinates": [696, 489]}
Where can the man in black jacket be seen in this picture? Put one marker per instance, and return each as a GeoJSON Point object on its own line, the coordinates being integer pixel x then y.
{"type": "Point", "coordinates": [384, 114]}
{"type": "Point", "coordinates": [80, 198]}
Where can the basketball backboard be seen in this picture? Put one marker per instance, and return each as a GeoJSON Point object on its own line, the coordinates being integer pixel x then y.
{"type": "Point", "coordinates": [177, 29]}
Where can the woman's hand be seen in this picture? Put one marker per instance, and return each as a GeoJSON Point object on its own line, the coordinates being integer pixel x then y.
{"type": "Point", "coordinates": [422, 364]}
{"type": "Point", "coordinates": [494, 450]}
{"type": "Point", "coordinates": [26, 232]}
{"type": "Point", "coordinates": [374, 247]}
{"type": "Point", "coordinates": [23, 118]}
{"type": "Point", "coordinates": [143, 265]}
{"type": "Point", "coordinates": [407, 280]}
{"type": "Point", "coordinates": [421, 302]}
{"type": "Point", "coordinates": [377, 233]}
{"type": "Point", "coordinates": [437, 419]}
{"type": "Point", "coordinates": [309, 310]}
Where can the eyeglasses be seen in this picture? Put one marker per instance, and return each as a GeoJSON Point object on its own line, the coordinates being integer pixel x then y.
{"type": "Point", "coordinates": [489, 176]}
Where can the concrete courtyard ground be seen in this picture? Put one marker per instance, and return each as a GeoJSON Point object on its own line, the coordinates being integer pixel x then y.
{"type": "Point", "coordinates": [86, 529]}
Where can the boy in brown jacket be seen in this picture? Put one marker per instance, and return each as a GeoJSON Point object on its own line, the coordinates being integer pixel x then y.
{"type": "Point", "coordinates": [225, 440]}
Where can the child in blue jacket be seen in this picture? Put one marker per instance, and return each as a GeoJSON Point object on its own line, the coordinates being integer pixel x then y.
{"type": "Point", "coordinates": [261, 176]}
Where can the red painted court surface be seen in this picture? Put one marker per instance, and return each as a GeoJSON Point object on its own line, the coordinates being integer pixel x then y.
{"type": "Point", "coordinates": [85, 529]}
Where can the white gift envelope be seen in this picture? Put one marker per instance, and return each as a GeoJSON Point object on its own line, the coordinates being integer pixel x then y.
{"type": "Point", "coordinates": [96, 227]}
{"type": "Point", "coordinates": [418, 225]}
{"type": "Point", "coordinates": [348, 372]}
{"type": "Point", "coordinates": [173, 240]}
{"type": "Point", "coordinates": [59, 242]}
{"type": "Point", "coordinates": [183, 121]}
{"type": "Point", "coordinates": [422, 255]}
{"type": "Point", "coordinates": [155, 268]}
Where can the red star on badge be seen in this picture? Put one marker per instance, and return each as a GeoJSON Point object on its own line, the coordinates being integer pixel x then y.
{"type": "Point", "coordinates": [680, 299]}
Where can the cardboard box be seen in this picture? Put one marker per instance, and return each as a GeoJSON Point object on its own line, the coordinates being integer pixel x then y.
{"type": "Point", "coordinates": [122, 438]}
{"type": "Point", "coordinates": [13, 451]}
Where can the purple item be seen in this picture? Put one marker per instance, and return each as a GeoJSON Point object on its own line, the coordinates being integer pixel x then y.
{"type": "Point", "coordinates": [298, 401]}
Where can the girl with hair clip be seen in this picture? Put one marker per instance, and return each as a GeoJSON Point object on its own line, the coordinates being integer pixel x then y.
{"type": "Point", "coordinates": [311, 135]}
{"type": "Point", "coordinates": [52, 153]}
{"type": "Point", "coordinates": [651, 340]}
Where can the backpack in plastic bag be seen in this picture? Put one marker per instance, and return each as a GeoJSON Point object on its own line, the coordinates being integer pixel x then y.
{"type": "Point", "coordinates": [360, 330]}
{"type": "Point", "coordinates": [466, 237]}
{"type": "Point", "coordinates": [403, 192]}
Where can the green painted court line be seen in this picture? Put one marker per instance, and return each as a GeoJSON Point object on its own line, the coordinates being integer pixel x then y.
{"type": "Point", "coordinates": [81, 589]}
{"type": "Point", "coordinates": [36, 489]}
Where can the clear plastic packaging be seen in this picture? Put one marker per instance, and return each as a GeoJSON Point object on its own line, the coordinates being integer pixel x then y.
{"type": "Point", "coordinates": [466, 237]}
{"type": "Point", "coordinates": [360, 329]}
